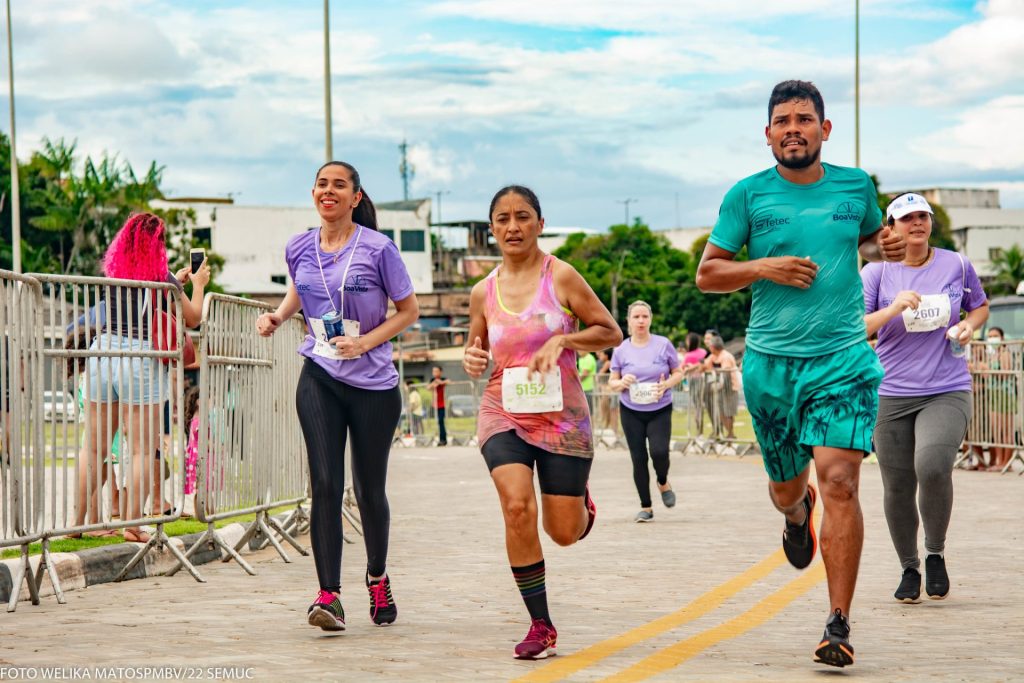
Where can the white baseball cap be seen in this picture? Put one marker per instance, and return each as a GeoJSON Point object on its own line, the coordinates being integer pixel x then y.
{"type": "Point", "coordinates": [907, 203]}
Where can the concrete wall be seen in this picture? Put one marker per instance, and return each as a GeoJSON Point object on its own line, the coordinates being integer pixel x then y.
{"type": "Point", "coordinates": [979, 231]}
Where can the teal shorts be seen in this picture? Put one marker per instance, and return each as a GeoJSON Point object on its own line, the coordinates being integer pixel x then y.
{"type": "Point", "coordinates": [799, 403]}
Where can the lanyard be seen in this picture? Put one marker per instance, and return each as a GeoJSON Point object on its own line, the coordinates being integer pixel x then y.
{"type": "Point", "coordinates": [344, 277]}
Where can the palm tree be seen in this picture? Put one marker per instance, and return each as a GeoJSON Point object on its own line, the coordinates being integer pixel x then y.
{"type": "Point", "coordinates": [1009, 268]}
{"type": "Point", "coordinates": [835, 403]}
{"type": "Point", "coordinates": [770, 427]}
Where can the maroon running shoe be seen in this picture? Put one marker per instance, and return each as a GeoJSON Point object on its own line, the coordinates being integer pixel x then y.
{"type": "Point", "coordinates": [539, 642]}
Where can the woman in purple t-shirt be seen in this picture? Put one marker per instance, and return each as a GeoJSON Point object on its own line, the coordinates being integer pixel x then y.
{"type": "Point", "coordinates": [925, 399]}
{"type": "Point", "coordinates": [645, 367]}
{"type": "Point", "coordinates": [342, 277]}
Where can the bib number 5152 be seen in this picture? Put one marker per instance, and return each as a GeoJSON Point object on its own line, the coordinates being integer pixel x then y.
{"type": "Point", "coordinates": [522, 392]}
{"type": "Point", "coordinates": [531, 389]}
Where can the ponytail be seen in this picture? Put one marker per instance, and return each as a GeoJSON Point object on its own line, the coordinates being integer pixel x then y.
{"type": "Point", "coordinates": [365, 213]}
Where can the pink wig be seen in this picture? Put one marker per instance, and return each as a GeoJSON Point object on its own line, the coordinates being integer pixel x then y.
{"type": "Point", "coordinates": [138, 251]}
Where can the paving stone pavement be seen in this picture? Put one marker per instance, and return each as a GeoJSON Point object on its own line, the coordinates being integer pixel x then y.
{"type": "Point", "coordinates": [710, 567]}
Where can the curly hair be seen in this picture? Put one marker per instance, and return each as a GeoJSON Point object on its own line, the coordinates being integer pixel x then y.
{"type": "Point", "coordinates": [138, 251]}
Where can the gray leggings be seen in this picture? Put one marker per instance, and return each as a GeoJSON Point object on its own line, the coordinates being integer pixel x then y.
{"type": "Point", "coordinates": [917, 439]}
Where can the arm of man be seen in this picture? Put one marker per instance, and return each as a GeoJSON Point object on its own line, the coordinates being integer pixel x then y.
{"type": "Point", "coordinates": [885, 244]}
{"type": "Point", "coordinates": [719, 273]}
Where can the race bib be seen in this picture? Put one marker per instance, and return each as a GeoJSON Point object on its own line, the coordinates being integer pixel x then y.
{"type": "Point", "coordinates": [643, 393]}
{"type": "Point", "coordinates": [932, 314]}
{"type": "Point", "coordinates": [321, 347]}
{"type": "Point", "coordinates": [521, 393]}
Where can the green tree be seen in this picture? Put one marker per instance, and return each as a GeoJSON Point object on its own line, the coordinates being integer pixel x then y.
{"type": "Point", "coordinates": [642, 264]}
{"type": "Point", "coordinates": [1009, 271]}
{"type": "Point", "coordinates": [70, 211]}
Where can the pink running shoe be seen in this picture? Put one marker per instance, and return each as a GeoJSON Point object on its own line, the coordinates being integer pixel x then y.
{"type": "Point", "coordinates": [538, 643]}
{"type": "Point", "coordinates": [326, 612]}
{"type": "Point", "coordinates": [591, 512]}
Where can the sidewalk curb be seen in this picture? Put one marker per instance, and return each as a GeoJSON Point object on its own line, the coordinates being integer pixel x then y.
{"type": "Point", "coordinates": [93, 566]}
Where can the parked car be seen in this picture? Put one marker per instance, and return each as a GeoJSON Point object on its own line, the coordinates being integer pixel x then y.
{"type": "Point", "coordinates": [461, 406]}
{"type": "Point", "coordinates": [1006, 312]}
{"type": "Point", "coordinates": [57, 405]}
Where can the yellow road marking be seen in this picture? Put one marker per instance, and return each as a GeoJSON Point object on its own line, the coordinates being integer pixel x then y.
{"type": "Point", "coordinates": [674, 655]}
{"type": "Point", "coordinates": [566, 666]}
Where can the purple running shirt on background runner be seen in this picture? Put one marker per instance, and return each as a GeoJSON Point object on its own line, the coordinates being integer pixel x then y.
{"type": "Point", "coordinates": [377, 275]}
{"type": "Point", "coordinates": [920, 363]}
{"type": "Point", "coordinates": [648, 363]}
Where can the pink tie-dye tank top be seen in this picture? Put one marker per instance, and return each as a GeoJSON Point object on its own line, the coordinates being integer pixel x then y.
{"type": "Point", "coordinates": [514, 338]}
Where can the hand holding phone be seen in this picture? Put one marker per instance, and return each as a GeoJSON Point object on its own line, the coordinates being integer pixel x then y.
{"type": "Point", "coordinates": [196, 257]}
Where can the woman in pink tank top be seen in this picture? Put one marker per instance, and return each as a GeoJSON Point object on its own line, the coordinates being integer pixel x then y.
{"type": "Point", "coordinates": [525, 316]}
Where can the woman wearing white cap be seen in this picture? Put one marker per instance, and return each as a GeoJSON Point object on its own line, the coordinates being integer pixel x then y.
{"type": "Point", "coordinates": [925, 310]}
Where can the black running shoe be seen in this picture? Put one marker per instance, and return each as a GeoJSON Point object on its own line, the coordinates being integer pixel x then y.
{"type": "Point", "coordinates": [936, 580]}
{"type": "Point", "coordinates": [383, 610]}
{"type": "Point", "coordinates": [798, 540]}
{"type": "Point", "coordinates": [834, 648]}
{"type": "Point", "coordinates": [910, 587]}
{"type": "Point", "coordinates": [326, 612]}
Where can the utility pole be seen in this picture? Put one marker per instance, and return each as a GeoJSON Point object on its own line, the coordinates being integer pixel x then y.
{"type": "Point", "coordinates": [627, 202]}
{"type": "Point", "coordinates": [329, 140]}
{"type": "Point", "coordinates": [439, 194]}
{"type": "Point", "coordinates": [856, 84]}
{"type": "Point", "coordinates": [406, 169]}
{"type": "Point", "coordinates": [15, 190]}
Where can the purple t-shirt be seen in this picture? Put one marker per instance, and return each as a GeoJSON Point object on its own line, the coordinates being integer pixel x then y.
{"type": "Point", "coordinates": [920, 363]}
{"type": "Point", "coordinates": [377, 274]}
{"type": "Point", "coordinates": [649, 363]}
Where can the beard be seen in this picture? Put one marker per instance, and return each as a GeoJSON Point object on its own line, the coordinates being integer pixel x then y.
{"type": "Point", "coordinates": [800, 161]}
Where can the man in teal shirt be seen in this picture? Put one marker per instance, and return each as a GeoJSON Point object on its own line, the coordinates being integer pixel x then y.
{"type": "Point", "coordinates": [811, 378]}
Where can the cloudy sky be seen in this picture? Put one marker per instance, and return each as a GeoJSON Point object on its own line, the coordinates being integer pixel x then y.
{"type": "Point", "coordinates": [590, 102]}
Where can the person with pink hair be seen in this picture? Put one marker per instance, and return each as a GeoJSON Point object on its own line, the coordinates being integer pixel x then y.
{"type": "Point", "coordinates": [126, 392]}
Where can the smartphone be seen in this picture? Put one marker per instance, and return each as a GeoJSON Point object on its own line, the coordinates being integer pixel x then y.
{"type": "Point", "coordinates": [197, 256]}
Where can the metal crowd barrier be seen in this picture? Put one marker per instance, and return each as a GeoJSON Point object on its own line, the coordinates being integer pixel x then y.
{"type": "Point", "coordinates": [997, 423]}
{"type": "Point", "coordinates": [22, 486]}
{"type": "Point", "coordinates": [711, 400]}
{"type": "Point", "coordinates": [114, 383]}
{"type": "Point", "coordinates": [604, 415]}
{"type": "Point", "coordinates": [705, 405]}
{"type": "Point", "coordinates": [461, 404]}
{"type": "Point", "coordinates": [88, 383]}
{"type": "Point", "coordinates": [251, 455]}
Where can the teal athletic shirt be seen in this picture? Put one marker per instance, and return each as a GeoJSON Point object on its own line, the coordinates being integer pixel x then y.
{"type": "Point", "coordinates": [823, 221]}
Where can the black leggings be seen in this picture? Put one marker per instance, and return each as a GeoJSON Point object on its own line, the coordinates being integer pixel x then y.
{"type": "Point", "coordinates": [643, 427]}
{"type": "Point", "coordinates": [329, 410]}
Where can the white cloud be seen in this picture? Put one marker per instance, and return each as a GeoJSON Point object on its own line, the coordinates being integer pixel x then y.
{"type": "Point", "coordinates": [988, 137]}
{"type": "Point", "coordinates": [437, 167]}
{"type": "Point", "coordinates": [971, 62]}
{"type": "Point", "coordinates": [639, 15]}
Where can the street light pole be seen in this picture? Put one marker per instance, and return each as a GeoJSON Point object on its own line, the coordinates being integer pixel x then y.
{"type": "Point", "coordinates": [627, 202]}
{"type": "Point", "coordinates": [15, 190]}
{"type": "Point", "coordinates": [329, 140]}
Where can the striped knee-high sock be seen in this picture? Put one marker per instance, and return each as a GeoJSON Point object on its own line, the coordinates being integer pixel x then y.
{"type": "Point", "coordinates": [530, 580]}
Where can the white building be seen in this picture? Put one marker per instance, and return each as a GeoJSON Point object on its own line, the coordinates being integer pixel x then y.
{"type": "Point", "coordinates": [683, 238]}
{"type": "Point", "coordinates": [252, 240]}
{"type": "Point", "coordinates": [981, 229]}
